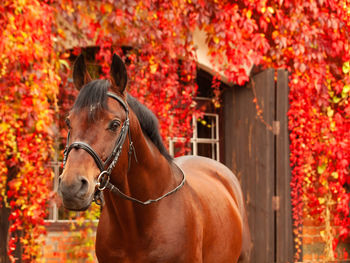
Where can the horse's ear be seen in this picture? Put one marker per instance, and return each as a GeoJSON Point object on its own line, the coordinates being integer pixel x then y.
{"type": "Point", "coordinates": [118, 74]}
{"type": "Point", "coordinates": [80, 74]}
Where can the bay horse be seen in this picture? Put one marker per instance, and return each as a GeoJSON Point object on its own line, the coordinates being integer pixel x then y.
{"type": "Point", "coordinates": [155, 208]}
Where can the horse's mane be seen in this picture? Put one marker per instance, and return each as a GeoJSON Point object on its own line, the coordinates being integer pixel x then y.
{"type": "Point", "coordinates": [149, 124]}
{"type": "Point", "coordinates": [94, 96]}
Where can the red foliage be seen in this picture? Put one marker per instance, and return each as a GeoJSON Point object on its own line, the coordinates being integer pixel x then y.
{"type": "Point", "coordinates": [28, 84]}
{"type": "Point", "coordinates": [309, 38]}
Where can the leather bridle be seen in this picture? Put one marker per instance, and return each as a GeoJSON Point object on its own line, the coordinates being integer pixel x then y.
{"type": "Point", "coordinates": [103, 180]}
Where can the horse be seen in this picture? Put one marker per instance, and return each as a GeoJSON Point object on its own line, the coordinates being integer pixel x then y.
{"type": "Point", "coordinates": [155, 208]}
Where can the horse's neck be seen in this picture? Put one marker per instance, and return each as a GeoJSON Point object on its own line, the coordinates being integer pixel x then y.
{"type": "Point", "coordinates": [149, 177]}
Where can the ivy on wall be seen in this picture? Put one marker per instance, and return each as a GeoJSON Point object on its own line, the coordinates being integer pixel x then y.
{"type": "Point", "coordinates": [308, 38]}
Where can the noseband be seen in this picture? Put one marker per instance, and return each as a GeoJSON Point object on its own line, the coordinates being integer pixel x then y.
{"type": "Point", "coordinates": [103, 180]}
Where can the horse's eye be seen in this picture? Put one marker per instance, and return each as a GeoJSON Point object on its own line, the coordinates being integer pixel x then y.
{"type": "Point", "coordinates": [68, 123]}
{"type": "Point", "coordinates": [113, 125]}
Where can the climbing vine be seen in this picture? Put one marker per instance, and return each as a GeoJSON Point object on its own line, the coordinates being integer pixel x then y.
{"type": "Point", "coordinates": [308, 38]}
{"type": "Point", "coordinates": [311, 40]}
{"type": "Point", "coordinates": [29, 86]}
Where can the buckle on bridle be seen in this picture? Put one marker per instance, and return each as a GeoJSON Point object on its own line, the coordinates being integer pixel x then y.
{"type": "Point", "coordinates": [98, 197]}
{"type": "Point", "coordinates": [102, 182]}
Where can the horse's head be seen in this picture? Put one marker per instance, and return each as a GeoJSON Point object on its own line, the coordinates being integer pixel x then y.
{"type": "Point", "coordinates": [96, 123]}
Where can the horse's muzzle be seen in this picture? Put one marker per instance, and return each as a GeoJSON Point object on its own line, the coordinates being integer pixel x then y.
{"type": "Point", "coordinates": [75, 194]}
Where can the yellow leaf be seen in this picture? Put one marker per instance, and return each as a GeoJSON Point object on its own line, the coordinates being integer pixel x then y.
{"type": "Point", "coordinates": [17, 184]}
{"type": "Point", "coordinates": [330, 112]}
{"type": "Point", "coordinates": [336, 99]}
{"type": "Point", "coordinates": [275, 34]}
{"type": "Point", "coordinates": [40, 125]}
{"type": "Point", "coordinates": [346, 67]}
{"type": "Point", "coordinates": [270, 9]}
{"type": "Point", "coordinates": [216, 40]}
{"type": "Point", "coordinates": [322, 233]}
{"type": "Point", "coordinates": [335, 175]}
{"type": "Point", "coordinates": [108, 8]}
{"type": "Point", "coordinates": [321, 168]}
{"type": "Point", "coordinates": [345, 91]}
{"type": "Point", "coordinates": [64, 63]}
{"type": "Point", "coordinates": [321, 200]}
{"type": "Point", "coordinates": [332, 126]}
{"type": "Point", "coordinates": [249, 14]}
{"type": "Point", "coordinates": [153, 68]}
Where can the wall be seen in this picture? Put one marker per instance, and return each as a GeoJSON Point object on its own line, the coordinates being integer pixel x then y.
{"type": "Point", "coordinates": [63, 245]}
{"type": "Point", "coordinates": [314, 248]}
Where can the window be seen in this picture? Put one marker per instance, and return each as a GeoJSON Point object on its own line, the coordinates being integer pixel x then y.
{"type": "Point", "coordinates": [205, 137]}
{"type": "Point", "coordinates": [205, 140]}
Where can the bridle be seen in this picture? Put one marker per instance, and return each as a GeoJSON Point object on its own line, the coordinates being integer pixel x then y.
{"type": "Point", "coordinates": [103, 180]}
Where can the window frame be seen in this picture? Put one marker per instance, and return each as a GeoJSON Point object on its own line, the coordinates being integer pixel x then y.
{"type": "Point", "coordinates": [195, 140]}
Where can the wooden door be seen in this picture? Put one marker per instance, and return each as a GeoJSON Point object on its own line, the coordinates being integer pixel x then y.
{"type": "Point", "coordinates": [257, 150]}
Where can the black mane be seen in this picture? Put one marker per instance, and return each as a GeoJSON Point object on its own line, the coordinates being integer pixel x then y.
{"type": "Point", "coordinates": [94, 95]}
{"type": "Point", "coordinates": [149, 124]}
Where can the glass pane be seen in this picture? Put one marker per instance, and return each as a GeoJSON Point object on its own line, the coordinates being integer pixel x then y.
{"type": "Point", "coordinates": [207, 150]}
{"type": "Point", "coordinates": [206, 127]}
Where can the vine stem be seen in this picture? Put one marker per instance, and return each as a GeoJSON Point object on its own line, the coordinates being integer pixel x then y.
{"type": "Point", "coordinates": [328, 229]}
{"type": "Point", "coordinates": [259, 111]}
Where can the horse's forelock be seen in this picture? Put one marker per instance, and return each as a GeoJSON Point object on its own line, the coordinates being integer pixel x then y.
{"type": "Point", "coordinates": [93, 97]}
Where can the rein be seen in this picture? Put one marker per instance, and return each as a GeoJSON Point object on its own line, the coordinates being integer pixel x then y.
{"type": "Point", "coordinates": [103, 180]}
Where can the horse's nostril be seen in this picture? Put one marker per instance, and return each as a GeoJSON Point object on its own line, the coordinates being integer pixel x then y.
{"type": "Point", "coordinates": [84, 181]}
{"type": "Point", "coordinates": [84, 186]}
{"type": "Point", "coordinates": [77, 187]}
{"type": "Point", "coordinates": [59, 180]}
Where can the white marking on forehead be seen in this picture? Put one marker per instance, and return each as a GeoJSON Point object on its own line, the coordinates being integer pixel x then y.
{"type": "Point", "coordinates": [92, 108]}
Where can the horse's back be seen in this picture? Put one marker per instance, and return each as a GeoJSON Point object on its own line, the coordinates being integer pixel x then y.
{"type": "Point", "coordinates": [203, 170]}
{"type": "Point", "coordinates": [218, 197]}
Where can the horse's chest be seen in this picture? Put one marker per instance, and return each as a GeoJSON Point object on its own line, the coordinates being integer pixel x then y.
{"type": "Point", "coordinates": [162, 239]}
{"type": "Point", "coordinates": [138, 252]}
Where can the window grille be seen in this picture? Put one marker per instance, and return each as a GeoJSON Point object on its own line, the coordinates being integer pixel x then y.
{"type": "Point", "coordinates": [205, 138]}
